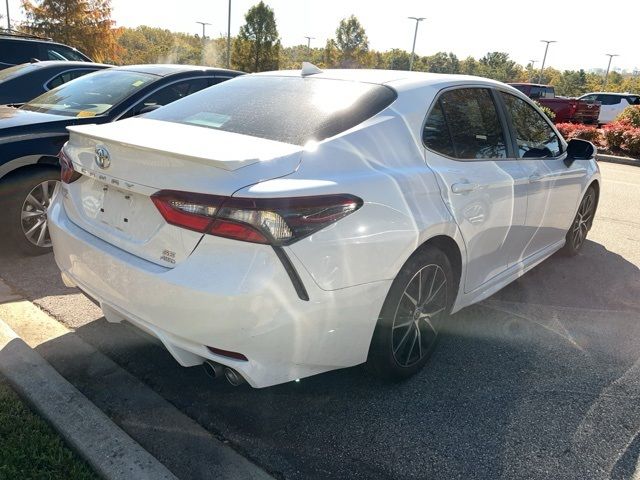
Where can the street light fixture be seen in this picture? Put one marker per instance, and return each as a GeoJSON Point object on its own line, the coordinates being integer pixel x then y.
{"type": "Point", "coordinates": [204, 24]}
{"type": "Point", "coordinates": [309, 44]}
{"type": "Point", "coordinates": [606, 75]}
{"type": "Point", "coordinates": [533, 66]}
{"type": "Point", "coordinates": [415, 35]}
{"type": "Point", "coordinates": [229, 36]}
{"type": "Point", "coordinates": [544, 59]}
{"type": "Point", "coordinates": [8, 18]}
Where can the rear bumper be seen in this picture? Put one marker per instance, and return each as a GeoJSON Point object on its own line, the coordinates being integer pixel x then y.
{"type": "Point", "coordinates": [230, 295]}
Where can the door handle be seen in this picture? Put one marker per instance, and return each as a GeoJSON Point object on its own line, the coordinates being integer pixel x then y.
{"type": "Point", "coordinates": [465, 187]}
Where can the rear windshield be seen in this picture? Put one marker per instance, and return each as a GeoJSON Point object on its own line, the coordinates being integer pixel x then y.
{"type": "Point", "coordinates": [293, 110]}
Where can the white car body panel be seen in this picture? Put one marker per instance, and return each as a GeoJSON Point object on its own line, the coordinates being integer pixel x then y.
{"type": "Point", "coordinates": [237, 296]}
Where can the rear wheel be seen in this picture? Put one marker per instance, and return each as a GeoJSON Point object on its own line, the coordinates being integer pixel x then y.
{"type": "Point", "coordinates": [26, 198]}
{"type": "Point", "coordinates": [581, 225]}
{"type": "Point", "coordinates": [412, 315]}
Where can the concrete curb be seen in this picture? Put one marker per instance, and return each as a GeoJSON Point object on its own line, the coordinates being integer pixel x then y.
{"type": "Point", "coordinates": [107, 449]}
{"type": "Point", "coordinates": [615, 159]}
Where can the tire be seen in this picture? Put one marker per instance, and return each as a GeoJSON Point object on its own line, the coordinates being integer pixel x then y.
{"type": "Point", "coordinates": [26, 195]}
{"type": "Point", "coordinates": [577, 233]}
{"type": "Point", "coordinates": [412, 316]}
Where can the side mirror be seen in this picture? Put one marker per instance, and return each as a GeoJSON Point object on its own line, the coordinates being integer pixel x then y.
{"type": "Point", "coordinates": [148, 108]}
{"type": "Point", "coordinates": [578, 149]}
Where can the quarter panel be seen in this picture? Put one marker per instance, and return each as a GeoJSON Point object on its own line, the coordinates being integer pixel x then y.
{"type": "Point", "coordinates": [381, 163]}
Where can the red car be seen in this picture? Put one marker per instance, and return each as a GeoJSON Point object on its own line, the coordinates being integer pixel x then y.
{"type": "Point", "coordinates": [566, 109]}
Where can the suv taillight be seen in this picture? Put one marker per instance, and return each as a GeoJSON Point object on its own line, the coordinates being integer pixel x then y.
{"type": "Point", "coordinates": [274, 221]}
{"type": "Point", "coordinates": [67, 173]}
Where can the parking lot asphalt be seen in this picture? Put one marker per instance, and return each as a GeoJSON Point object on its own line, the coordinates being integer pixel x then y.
{"type": "Point", "coordinates": [542, 380]}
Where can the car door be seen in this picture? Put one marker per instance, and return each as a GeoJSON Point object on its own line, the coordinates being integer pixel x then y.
{"type": "Point", "coordinates": [553, 187]}
{"type": "Point", "coordinates": [610, 107]}
{"type": "Point", "coordinates": [483, 185]}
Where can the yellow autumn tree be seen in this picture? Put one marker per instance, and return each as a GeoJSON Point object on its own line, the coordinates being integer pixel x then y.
{"type": "Point", "coordinates": [83, 24]}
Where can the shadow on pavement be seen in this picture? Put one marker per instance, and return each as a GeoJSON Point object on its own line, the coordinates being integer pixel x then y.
{"type": "Point", "coordinates": [526, 383]}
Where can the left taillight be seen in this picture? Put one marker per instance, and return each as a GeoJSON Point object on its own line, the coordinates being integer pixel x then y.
{"type": "Point", "coordinates": [67, 173]}
{"type": "Point", "coordinates": [274, 221]}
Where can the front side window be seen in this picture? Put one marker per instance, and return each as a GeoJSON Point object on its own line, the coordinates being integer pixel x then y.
{"type": "Point", "coordinates": [65, 77]}
{"type": "Point", "coordinates": [469, 117]}
{"type": "Point", "coordinates": [534, 136]}
{"type": "Point", "coordinates": [91, 94]}
{"type": "Point", "coordinates": [57, 52]}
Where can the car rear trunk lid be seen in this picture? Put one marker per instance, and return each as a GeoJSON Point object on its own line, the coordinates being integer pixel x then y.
{"type": "Point", "coordinates": [139, 157]}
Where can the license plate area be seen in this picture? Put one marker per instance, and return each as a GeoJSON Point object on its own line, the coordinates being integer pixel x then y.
{"type": "Point", "coordinates": [117, 209]}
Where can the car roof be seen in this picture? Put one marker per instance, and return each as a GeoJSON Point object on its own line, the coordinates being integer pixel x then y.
{"type": "Point", "coordinates": [163, 70]}
{"type": "Point", "coordinates": [65, 63]}
{"type": "Point", "coordinates": [398, 79]}
{"type": "Point", "coordinates": [620, 94]}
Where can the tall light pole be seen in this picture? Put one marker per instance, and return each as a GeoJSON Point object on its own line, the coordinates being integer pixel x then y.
{"type": "Point", "coordinates": [204, 24]}
{"type": "Point", "coordinates": [229, 36]}
{"type": "Point", "coordinates": [415, 35]}
{"type": "Point", "coordinates": [309, 44]}
{"type": "Point", "coordinates": [8, 18]}
{"type": "Point", "coordinates": [606, 75]}
{"type": "Point", "coordinates": [544, 59]}
{"type": "Point", "coordinates": [533, 66]}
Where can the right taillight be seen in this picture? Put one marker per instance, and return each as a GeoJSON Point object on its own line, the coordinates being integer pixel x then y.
{"type": "Point", "coordinates": [275, 221]}
{"type": "Point", "coordinates": [67, 173]}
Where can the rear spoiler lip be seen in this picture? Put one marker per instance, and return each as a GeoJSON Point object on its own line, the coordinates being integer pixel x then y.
{"type": "Point", "coordinates": [229, 165]}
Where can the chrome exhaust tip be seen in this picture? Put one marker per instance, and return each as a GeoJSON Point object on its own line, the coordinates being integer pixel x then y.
{"type": "Point", "coordinates": [214, 370]}
{"type": "Point", "coordinates": [233, 377]}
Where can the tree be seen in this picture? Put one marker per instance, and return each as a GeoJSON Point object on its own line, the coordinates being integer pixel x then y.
{"type": "Point", "coordinates": [352, 42]}
{"type": "Point", "coordinates": [397, 59]}
{"type": "Point", "coordinates": [331, 55]}
{"type": "Point", "coordinates": [257, 47]}
{"type": "Point", "coordinates": [441, 62]}
{"type": "Point", "coordinates": [469, 66]}
{"type": "Point", "coordinates": [156, 45]}
{"type": "Point", "coordinates": [84, 24]}
{"type": "Point", "coordinates": [571, 83]}
{"type": "Point", "coordinates": [498, 66]}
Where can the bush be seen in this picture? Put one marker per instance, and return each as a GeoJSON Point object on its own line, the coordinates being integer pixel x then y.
{"type": "Point", "coordinates": [614, 134]}
{"type": "Point", "coordinates": [577, 130]}
{"type": "Point", "coordinates": [547, 111]}
{"type": "Point", "coordinates": [631, 142]}
{"type": "Point", "coordinates": [630, 115]}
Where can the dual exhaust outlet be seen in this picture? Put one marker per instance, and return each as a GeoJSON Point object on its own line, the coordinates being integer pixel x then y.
{"type": "Point", "coordinates": [215, 370]}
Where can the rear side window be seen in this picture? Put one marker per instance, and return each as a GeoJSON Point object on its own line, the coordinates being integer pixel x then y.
{"type": "Point", "coordinates": [15, 52]}
{"type": "Point", "coordinates": [285, 109]}
{"type": "Point", "coordinates": [535, 137]}
{"type": "Point", "coordinates": [436, 134]}
{"type": "Point", "coordinates": [469, 117]}
{"type": "Point", "coordinates": [610, 99]}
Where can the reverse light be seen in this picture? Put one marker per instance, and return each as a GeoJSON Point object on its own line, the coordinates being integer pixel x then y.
{"type": "Point", "coordinates": [67, 173]}
{"type": "Point", "coordinates": [275, 221]}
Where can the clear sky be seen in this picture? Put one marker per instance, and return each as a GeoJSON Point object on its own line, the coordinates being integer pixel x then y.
{"type": "Point", "coordinates": [585, 29]}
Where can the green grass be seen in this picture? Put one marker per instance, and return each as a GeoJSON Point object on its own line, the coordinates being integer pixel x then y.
{"type": "Point", "coordinates": [29, 447]}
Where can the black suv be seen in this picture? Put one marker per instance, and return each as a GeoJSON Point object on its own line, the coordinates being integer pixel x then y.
{"type": "Point", "coordinates": [17, 48]}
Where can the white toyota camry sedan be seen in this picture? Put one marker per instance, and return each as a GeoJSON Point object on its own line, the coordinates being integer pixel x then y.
{"type": "Point", "coordinates": [285, 224]}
